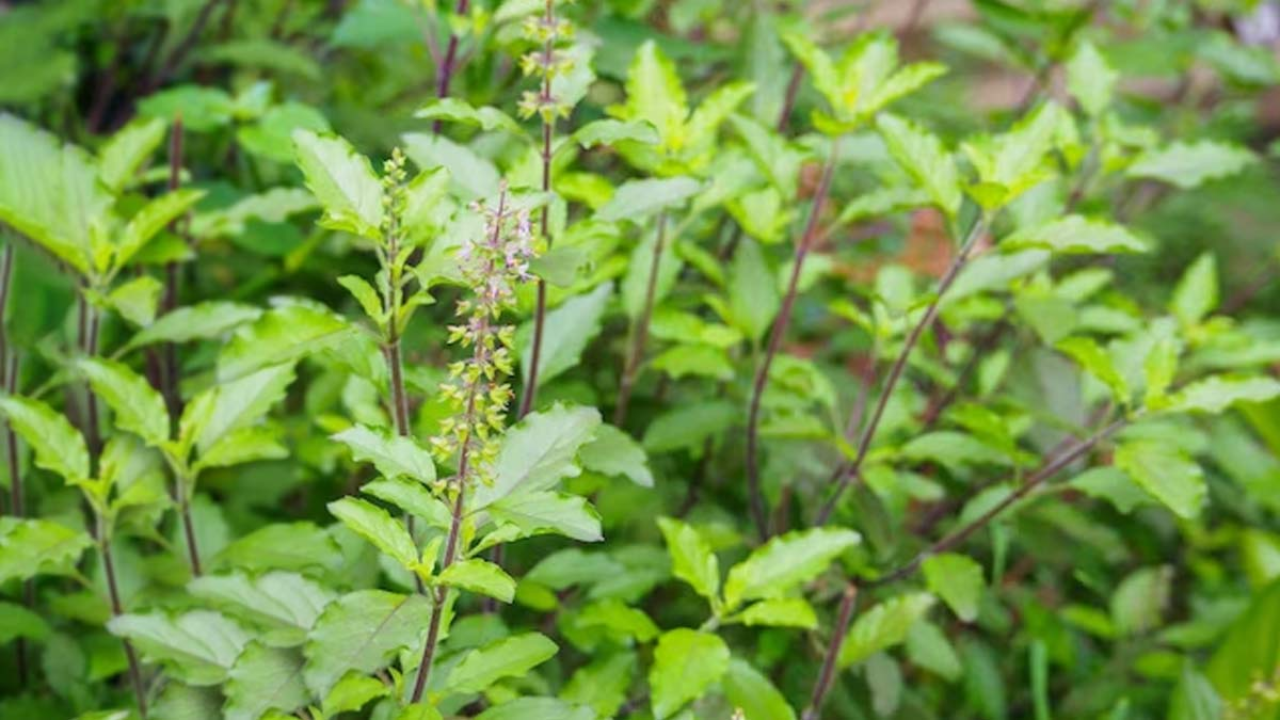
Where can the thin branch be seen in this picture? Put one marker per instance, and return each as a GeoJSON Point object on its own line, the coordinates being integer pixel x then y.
{"type": "Point", "coordinates": [117, 609]}
{"type": "Point", "coordinates": [1038, 478]}
{"type": "Point", "coordinates": [759, 511]}
{"type": "Point", "coordinates": [823, 685]}
{"type": "Point", "coordinates": [189, 528]}
{"type": "Point", "coordinates": [641, 334]}
{"type": "Point", "coordinates": [854, 468]}
{"type": "Point", "coordinates": [789, 100]}
{"type": "Point", "coordinates": [446, 70]}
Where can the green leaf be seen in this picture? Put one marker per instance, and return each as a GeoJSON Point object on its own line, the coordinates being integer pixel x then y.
{"type": "Point", "coordinates": [394, 456]}
{"type": "Point", "coordinates": [1076, 235]}
{"type": "Point", "coordinates": [17, 621]}
{"type": "Point", "coordinates": [1114, 486]}
{"type": "Point", "coordinates": [264, 679]}
{"type": "Point", "coordinates": [362, 631]}
{"type": "Point", "coordinates": [284, 603]}
{"type": "Point", "coordinates": [1190, 164]}
{"type": "Point", "coordinates": [1091, 79]}
{"type": "Point", "coordinates": [472, 176]}
{"type": "Point", "coordinates": [952, 449]}
{"type": "Point", "coordinates": [611, 132]}
{"type": "Point", "coordinates": [198, 647]}
{"type": "Point", "coordinates": [655, 94]}
{"type": "Point", "coordinates": [137, 299]}
{"type": "Point", "coordinates": [202, 108]}
{"type": "Point", "coordinates": [883, 626]}
{"type": "Point", "coordinates": [569, 328]}
{"type": "Point", "coordinates": [754, 299]}
{"type": "Point", "coordinates": [300, 546]}
{"type": "Point", "coordinates": [958, 580]}
{"type": "Point", "coordinates": [538, 453]}
{"type": "Point", "coordinates": [697, 360]}
{"type": "Point", "coordinates": [691, 558]}
{"type": "Point", "coordinates": [202, 321]}
{"type": "Point", "coordinates": [923, 156]}
{"type": "Point", "coordinates": [58, 447]}
{"type": "Point", "coordinates": [1099, 363]}
{"type": "Point", "coordinates": [479, 576]}
{"type": "Point", "coordinates": [34, 547]}
{"type": "Point", "coordinates": [1158, 370]}
{"type": "Point", "coordinates": [568, 515]}
{"type": "Point", "coordinates": [241, 446]}
{"type": "Point", "coordinates": [218, 412]}
{"type": "Point", "coordinates": [1166, 473]}
{"type": "Point", "coordinates": [781, 612]}
{"type": "Point", "coordinates": [364, 294]}
{"type": "Point", "coordinates": [1196, 294]}
{"type": "Point", "coordinates": [128, 150]}
{"type": "Point", "coordinates": [817, 63]}
{"type": "Point", "coordinates": [151, 219]}
{"type": "Point", "coordinates": [351, 693]}
{"type": "Point", "coordinates": [1216, 393]}
{"type": "Point", "coordinates": [602, 684]}
{"type": "Point", "coordinates": [1141, 599]}
{"type": "Point", "coordinates": [784, 562]}
{"type": "Point", "coordinates": [413, 498]}
{"type": "Point", "coordinates": [637, 200]}
{"type": "Point", "coordinates": [343, 182]}
{"type": "Point", "coordinates": [613, 452]}
{"type": "Point", "coordinates": [686, 663]}
{"type": "Point", "coordinates": [281, 335]}
{"type": "Point", "coordinates": [1194, 697]}
{"type": "Point", "coordinates": [137, 406]}
{"type": "Point", "coordinates": [1251, 648]}
{"type": "Point", "coordinates": [459, 111]}
{"type": "Point", "coordinates": [749, 690]}
{"type": "Point", "coordinates": [51, 193]}
{"type": "Point", "coordinates": [688, 427]}
{"type": "Point", "coordinates": [509, 657]}
{"type": "Point", "coordinates": [928, 647]}
{"type": "Point", "coordinates": [378, 527]}
{"type": "Point", "coordinates": [536, 708]}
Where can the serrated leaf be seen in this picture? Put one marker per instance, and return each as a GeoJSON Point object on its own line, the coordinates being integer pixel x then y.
{"type": "Point", "coordinates": [563, 514]}
{"type": "Point", "coordinates": [686, 663]}
{"type": "Point", "coordinates": [479, 576]}
{"type": "Point", "coordinates": [636, 200]}
{"type": "Point", "coordinates": [1075, 234]}
{"type": "Point", "coordinates": [362, 631]}
{"type": "Point", "coordinates": [34, 547]}
{"type": "Point", "coordinates": [958, 580]}
{"type": "Point", "coordinates": [58, 447]}
{"type": "Point", "coordinates": [378, 527]}
{"type": "Point", "coordinates": [198, 647]}
{"type": "Point", "coordinates": [610, 132]}
{"type": "Point", "coordinates": [264, 679]}
{"type": "Point", "coordinates": [655, 94]}
{"type": "Point", "coordinates": [128, 150]}
{"type": "Point", "coordinates": [286, 603]}
{"type": "Point", "coordinates": [137, 299]}
{"type": "Point", "coordinates": [203, 321]}
{"type": "Point", "coordinates": [223, 409]}
{"type": "Point", "coordinates": [364, 294]}
{"type": "Point", "coordinates": [754, 299]}
{"type": "Point", "coordinates": [691, 558]}
{"type": "Point", "coordinates": [751, 691]}
{"type": "Point", "coordinates": [509, 657]}
{"type": "Point", "coordinates": [538, 453]}
{"type": "Point", "coordinates": [413, 498]}
{"type": "Point", "coordinates": [1166, 473]}
{"type": "Point", "coordinates": [1196, 294]}
{"type": "Point", "coordinates": [1190, 164]}
{"type": "Point", "coordinates": [1099, 363]}
{"type": "Point", "coordinates": [1215, 394]}
{"type": "Point", "coordinates": [280, 335]}
{"type": "Point", "coordinates": [613, 452]}
{"type": "Point", "coordinates": [784, 562]}
{"type": "Point", "coordinates": [351, 693]}
{"type": "Point", "coordinates": [151, 219]}
{"type": "Point", "coordinates": [138, 407]}
{"type": "Point", "coordinates": [925, 159]}
{"type": "Point", "coordinates": [455, 110]}
{"type": "Point", "coordinates": [343, 182]}
{"type": "Point", "coordinates": [883, 626]}
{"type": "Point", "coordinates": [1090, 78]}
{"type": "Point", "coordinates": [243, 445]}
{"type": "Point", "coordinates": [394, 456]}
{"type": "Point", "coordinates": [781, 612]}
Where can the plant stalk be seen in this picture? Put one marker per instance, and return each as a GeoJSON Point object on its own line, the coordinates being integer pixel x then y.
{"type": "Point", "coordinates": [117, 609]}
{"type": "Point", "coordinates": [827, 675]}
{"type": "Point", "coordinates": [444, 75]}
{"type": "Point", "coordinates": [632, 366]}
{"type": "Point", "coordinates": [759, 510]}
{"type": "Point", "coordinates": [853, 468]}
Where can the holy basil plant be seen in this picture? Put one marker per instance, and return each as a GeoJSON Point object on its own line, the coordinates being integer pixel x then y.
{"type": "Point", "coordinates": [696, 359]}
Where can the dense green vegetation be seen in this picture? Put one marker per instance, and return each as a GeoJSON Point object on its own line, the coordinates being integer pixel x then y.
{"type": "Point", "coordinates": [534, 360]}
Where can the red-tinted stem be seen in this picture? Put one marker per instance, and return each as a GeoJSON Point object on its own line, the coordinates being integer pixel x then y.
{"type": "Point", "coordinates": [444, 74]}
{"type": "Point", "coordinates": [759, 510]}
{"type": "Point", "coordinates": [823, 685]}
{"type": "Point", "coordinates": [640, 337]}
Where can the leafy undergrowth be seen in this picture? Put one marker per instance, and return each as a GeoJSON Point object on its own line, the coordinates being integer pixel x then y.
{"type": "Point", "coordinates": [698, 359]}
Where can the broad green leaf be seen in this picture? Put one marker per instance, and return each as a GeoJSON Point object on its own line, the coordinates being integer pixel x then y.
{"type": "Point", "coordinates": [656, 95]}
{"type": "Point", "coordinates": [569, 328]}
{"type": "Point", "coordinates": [1190, 164]}
{"type": "Point", "coordinates": [610, 132]}
{"type": "Point", "coordinates": [378, 527]}
{"type": "Point", "coordinates": [923, 156]}
{"type": "Point", "coordinates": [637, 200]}
{"type": "Point", "coordinates": [1141, 599]}
{"type": "Point", "coordinates": [222, 409]}
{"type": "Point", "coordinates": [1194, 697]}
{"type": "Point", "coordinates": [691, 558]}
{"type": "Point", "coordinates": [151, 219]}
{"type": "Point", "coordinates": [271, 137]}
{"type": "Point", "coordinates": [536, 708]}
{"type": "Point", "coordinates": [202, 321]}
{"type": "Point", "coordinates": [138, 408]}
{"type": "Point", "coordinates": [713, 111]}
{"type": "Point", "coordinates": [285, 604]}
{"type": "Point", "coordinates": [1216, 393]}
{"type": "Point", "coordinates": [773, 155]}
{"type": "Point", "coordinates": [686, 663]}
{"type": "Point", "coordinates": [952, 449]}
{"type": "Point", "coordinates": [128, 150]}
{"type": "Point", "coordinates": [928, 647]}
{"type": "Point", "coordinates": [509, 657]}
{"type": "Point", "coordinates": [472, 176]}
{"type": "Point", "coordinates": [459, 111]}
{"type": "Point", "coordinates": [343, 182]}
{"type": "Point", "coordinates": [202, 108]}
{"type": "Point", "coordinates": [413, 498]}
{"type": "Point", "coordinates": [419, 711]}
{"type": "Point", "coordinates": [817, 63]}
{"type": "Point", "coordinates": [613, 452]}
{"type": "Point", "coordinates": [51, 193]}
{"type": "Point", "coordinates": [1090, 78]}
{"type": "Point", "coordinates": [137, 300]}
{"type": "Point", "coordinates": [1099, 363]}
{"type": "Point", "coordinates": [649, 260]}
{"type": "Point", "coordinates": [17, 621]}
{"type": "Point", "coordinates": [479, 576]}
{"type": "Point", "coordinates": [781, 612]}
{"type": "Point", "coordinates": [394, 456]}
{"type": "Point", "coordinates": [281, 335]}
{"type": "Point", "coordinates": [1074, 235]}
{"type": "Point", "coordinates": [243, 445]}
{"type": "Point", "coordinates": [681, 361]}
{"type": "Point", "coordinates": [688, 427]}
{"type": "Point", "coordinates": [1251, 648]}
{"type": "Point", "coordinates": [351, 693]}
{"type": "Point", "coordinates": [602, 684]}
{"type": "Point", "coordinates": [33, 547]}
{"type": "Point", "coordinates": [1166, 473]}
{"type": "Point", "coordinates": [754, 299]}
{"type": "Point", "coordinates": [1158, 371]}
{"type": "Point", "coordinates": [198, 647]}
{"type": "Point", "coordinates": [264, 679]}
{"type": "Point", "coordinates": [362, 631]}
{"type": "Point", "coordinates": [538, 453]}
{"type": "Point", "coordinates": [561, 513]}
{"type": "Point", "coordinates": [364, 294]}
{"type": "Point", "coordinates": [956, 579]}
{"type": "Point", "coordinates": [1196, 294]}
{"type": "Point", "coordinates": [58, 447]}
{"type": "Point", "coordinates": [614, 616]}
{"type": "Point", "coordinates": [1114, 486]}
{"type": "Point", "coordinates": [784, 562]}
{"type": "Point", "coordinates": [883, 626]}
{"type": "Point", "coordinates": [300, 546]}
{"type": "Point", "coordinates": [751, 691]}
